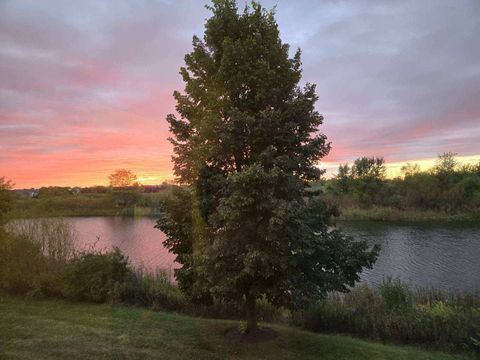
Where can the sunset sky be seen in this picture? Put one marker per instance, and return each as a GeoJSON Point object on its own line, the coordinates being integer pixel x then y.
{"type": "Point", "coordinates": [85, 85]}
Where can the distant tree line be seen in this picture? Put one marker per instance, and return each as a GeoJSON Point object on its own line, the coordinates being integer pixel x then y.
{"type": "Point", "coordinates": [448, 186]}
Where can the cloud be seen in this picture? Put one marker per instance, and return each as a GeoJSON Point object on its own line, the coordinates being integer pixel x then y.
{"type": "Point", "coordinates": [395, 76]}
{"type": "Point", "coordinates": [85, 86]}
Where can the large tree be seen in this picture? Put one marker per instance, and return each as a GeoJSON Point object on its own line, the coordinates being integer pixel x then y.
{"type": "Point", "coordinates": [247, 143]}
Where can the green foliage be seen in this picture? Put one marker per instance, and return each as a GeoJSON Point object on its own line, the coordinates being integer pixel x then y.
{"type": "Point", "coordinates": [396, 313]}
{"type": "Point", "coordinates": [108, 203]}
{"type": "Point", "coordinates": [446, 164]}
{"type": "Point", "coordinates": [343, 177]}
{"type": "Point", "coordinates": [50, 205]}
{"type": "Point", "coordinates": [38, 260]}
{"type": "Point", "coordinates": [21, 263]}
{"type": "Point", "coordinates": [51, 329]}
{"type": "Point", "coordinates": [395, 295]}
{"type": "Point", "coordinates": [447, 187]}
{"type": "Point", "coordinates": [126, 199]}
{"type": "Point", "coordinates": [92, 276]}
{"type": "Point", "coordinates": [247, 143]}
{"type": "Point", "coordinates": [177, 222]}
{"type": "Point", "coordinates": [33, 255]}
{"type": "Point", "coordinates": [152, 290]}
{"type": "Point", "coordinates": [6, 199]}
{"type": "Point", "coordinates": [369, 168]}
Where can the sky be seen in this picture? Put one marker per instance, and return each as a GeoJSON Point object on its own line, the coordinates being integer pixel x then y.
{"type": "Point", "coordinates": [85, 86]}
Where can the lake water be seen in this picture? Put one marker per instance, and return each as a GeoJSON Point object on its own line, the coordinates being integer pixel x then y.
{"type": "Point", "coordinates": [442, 256]}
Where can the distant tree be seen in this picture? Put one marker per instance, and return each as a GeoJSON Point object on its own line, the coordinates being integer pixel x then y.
{"type": "Point", "coordinates": [446, 163]}
{"type": "Point", "coordinates": [369, 168]}
{"type": "Point", "coordinates": [368, 177]}
{"type": "Point", "coordinates": [409, 170]}
{"type": "Point", "coordinates": [247, 144]}
{"type": "Point", "coordinates": [6, 199]}
{"type": "Point", "coordinates": [445, 169]}
{"type": "Point", "coordinates": [123, 178]}
{"type": "Point", "coordinates": [128, 196]}
{"type": "Point", "coordinates": [343, 178]}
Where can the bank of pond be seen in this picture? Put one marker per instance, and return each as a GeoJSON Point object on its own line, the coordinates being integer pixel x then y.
{"type": "Point", "coordinates": [43, 259]}
{"type": "Point", "coordinates": [50, 203]}
{"type": "Point", "coordinates": [42, 329]}
{"type": "Point", "coordinates": [443, 256]}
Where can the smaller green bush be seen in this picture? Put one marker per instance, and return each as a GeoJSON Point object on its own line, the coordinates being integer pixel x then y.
{"type": "Point", "coordinates": [153, 290]}
{"type": "Point", "coordinates": [21, 263]}
{"type": "Point", "coordinates": [395, 295]}
{"type": "Point", "coordinates": [93, 276]}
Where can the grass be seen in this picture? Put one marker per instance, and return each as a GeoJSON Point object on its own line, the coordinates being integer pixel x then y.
{"type": "Point", "coordinates": [83, 205]}
{"type": "Point", "coordinates": [33, 329]}
{"type": "Point", "coordinates": [396, 313]}
{"type": "Point", "coordinates": [65, 206]}
{"type": "Point", "coordinates": [103, 204]}
{"type": "Point", "coordinates": [382, 213]}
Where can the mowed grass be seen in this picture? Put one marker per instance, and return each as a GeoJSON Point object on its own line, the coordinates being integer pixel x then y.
{"type": "Point", "coordinates": [55, 329]}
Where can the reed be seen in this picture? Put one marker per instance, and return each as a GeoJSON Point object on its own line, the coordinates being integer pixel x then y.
{"type": "Point", "coordinates": [393, 312]}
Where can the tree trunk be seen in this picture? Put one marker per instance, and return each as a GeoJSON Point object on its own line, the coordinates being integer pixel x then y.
{"type": "Point", "coordinates": [250, 303]}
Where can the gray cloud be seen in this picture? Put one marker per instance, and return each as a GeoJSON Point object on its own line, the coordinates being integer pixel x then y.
{"type": "Point", "coordinates": [395, 78]}
{"type": "Point", "coordinates": [392, 75]}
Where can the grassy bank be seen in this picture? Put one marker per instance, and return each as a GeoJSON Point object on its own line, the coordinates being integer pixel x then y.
{"type": "Point", "coordinates": [84, 205]}
{"type": "Point", "coordinates": [147, 204]}
{"type": "Point", "coordinates": [46, 329]}
{"type": "Point", "coordinates": [396, 313]}
{"type": "Point", "coordinates": [380, 213]}
{"type": "Point", "coordinates": [40, 262]}
{"type": "Point", "coordinates": [65, 205]}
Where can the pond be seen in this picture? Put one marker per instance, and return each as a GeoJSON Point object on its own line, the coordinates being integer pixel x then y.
{"type": "Point", "coordinates": [442, 256]}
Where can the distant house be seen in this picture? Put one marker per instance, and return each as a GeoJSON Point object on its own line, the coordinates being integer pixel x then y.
{"type": "Point", "coordinates": [27, 193]}
{"type": "Point", "coordinates": [75, 190]}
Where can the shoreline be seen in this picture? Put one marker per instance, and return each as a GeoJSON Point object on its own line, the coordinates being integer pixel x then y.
{"type": "Point", "coordinates": [392, 215]}
{"type": "Point", "coordinates": [383, 215]}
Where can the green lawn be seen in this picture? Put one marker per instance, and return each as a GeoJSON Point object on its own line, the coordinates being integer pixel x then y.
{"type": "Point", "coordinates": [56, 329]}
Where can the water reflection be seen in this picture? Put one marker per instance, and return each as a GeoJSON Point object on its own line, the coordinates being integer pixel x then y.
{"type": "Point", "coordinates": [136, 237]}
{"type": "Point", "coordinates": [445, 256]}
{"type": "Point", "coordinates": [442, 256]}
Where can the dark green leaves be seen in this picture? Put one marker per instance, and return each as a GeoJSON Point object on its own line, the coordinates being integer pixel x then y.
{"type": "Point", "coordinates": [247, 144]}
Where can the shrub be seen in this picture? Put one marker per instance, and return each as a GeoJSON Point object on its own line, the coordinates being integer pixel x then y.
{"type": "Point", "coordinates": [54, 237]}
{"type": "Point", "coordinates": [92, 276]}
{"type": "Point", "coordinates": [395, 295]}
{"type": "Point", "coordinates": [153, 290]}
{"type": "Point", "coordinates": [396, 313]}
{"type": "Point", "coordinates": [38, 259]}
{"type": "Point", "coordinates": [34, 254]}
{"type": "Point", "coordinates": [22, 262]}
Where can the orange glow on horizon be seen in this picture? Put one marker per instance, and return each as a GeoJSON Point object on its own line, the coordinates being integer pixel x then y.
{"type": "Point", "coordinates": [93, 174]}
{"type": "Point", "coordinates": [393, 168]}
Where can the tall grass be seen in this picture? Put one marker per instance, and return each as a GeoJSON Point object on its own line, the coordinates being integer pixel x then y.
{"type": "Point", "coordinates": [55, 237]}
{"type": "Point", "coordinates": [65, 205]}
{"type": "Point", "coordinates": [90, 204]}
{"type": "Point", "coordinates": [150, 289]}
{"type": "Point", "coordinates": [386, 213]}
{"type": "Point", "coordinates": [396, 313]}
{"type": "Point", "coordinates": [39, 259]}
